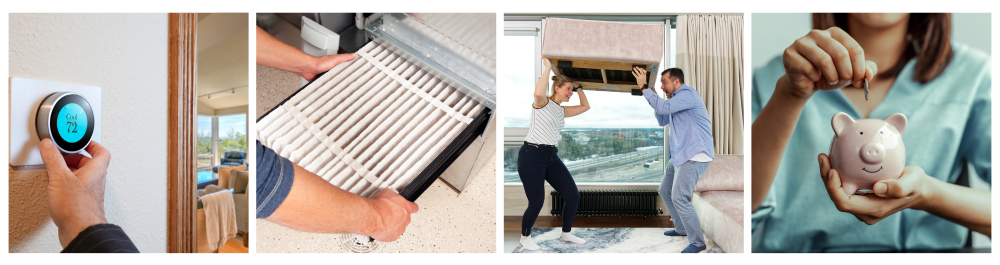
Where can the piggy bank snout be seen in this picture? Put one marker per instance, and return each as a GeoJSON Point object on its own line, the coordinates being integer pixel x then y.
{"type": "Point", "coordinates": [873, 153]}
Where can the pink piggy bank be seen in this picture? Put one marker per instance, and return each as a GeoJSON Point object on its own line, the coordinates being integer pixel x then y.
{"type": "Point", "coordinates": [866, 151]}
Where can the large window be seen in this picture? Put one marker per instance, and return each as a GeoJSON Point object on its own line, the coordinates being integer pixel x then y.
{"type": "Point", "coordinates": [617, 140]}
{"type": "Point", "coordinates": [205, 154]}
{"type": "Point", "coordinates": [221, 140]}
{"type": "Point", "coordinates": [232, 134]}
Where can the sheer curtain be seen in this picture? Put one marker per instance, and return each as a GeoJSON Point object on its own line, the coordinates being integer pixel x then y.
{"type": "Point", "coordinates": [710, 51]}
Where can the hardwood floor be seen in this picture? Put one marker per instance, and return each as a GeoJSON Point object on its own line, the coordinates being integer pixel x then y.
{"type": "Point", "coordinates": [233, 245]}
{"type": "Point", "coordinates": [514, 222]}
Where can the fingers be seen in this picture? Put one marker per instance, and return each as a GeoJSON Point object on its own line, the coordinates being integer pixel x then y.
{"type": "Point", "coordinates": [824, 165]}
{"type": "Point", "coordinates": [796, 64]}
{"type": "Point", "coordinates": [839, 54]}
{"type": "Point", "coordinates": [101, 156]}
{"type": "Point", "coordinates": [856, 55]}
{"type": "Point", "coordinates": [836, 192]}
{"type": "Point", "coordinates": [53, 159]}
{"type": "Point", "coordinates": [871, 69]}
{"type": "Point", "coordinates": [808, 48]}
{"type": "Point", "coordinates": [75, 161]}
{"type": "Point", "coordinates": [331, 61]}
{"type": "Point", "coordinates": [410, 207]}
{"type": "Point", "coordinates": [902, 187]}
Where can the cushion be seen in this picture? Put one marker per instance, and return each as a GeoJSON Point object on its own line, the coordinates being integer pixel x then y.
{"type": "Point", "coordinates": [603, 41]}
{"type": "Point", "coordinates": [720, 214]}
{"type": "Point", "coordinates": [238, 180]}
{"type": "Point", "coordinates": [724, 173]}
{"type": "Point", "coordinates": [224, 175]}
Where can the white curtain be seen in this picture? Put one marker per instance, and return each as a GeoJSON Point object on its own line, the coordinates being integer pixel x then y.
{"type": "Point", "coordinates": [710, 52]}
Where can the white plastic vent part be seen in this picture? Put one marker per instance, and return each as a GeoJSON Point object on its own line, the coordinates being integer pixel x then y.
{"type": "Point", "coordinates": [370, 123]}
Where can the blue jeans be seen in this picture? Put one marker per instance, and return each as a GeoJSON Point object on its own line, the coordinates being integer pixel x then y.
{"type": "Point", "coordinates": [676, 190]}
{"type": "Point", "coordinates": [537, 164]}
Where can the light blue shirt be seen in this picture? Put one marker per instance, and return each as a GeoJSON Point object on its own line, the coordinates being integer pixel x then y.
{"type": "Point", "coordinates": [690, 128]}
{"type": "Point", "coordinates": [948, 124]}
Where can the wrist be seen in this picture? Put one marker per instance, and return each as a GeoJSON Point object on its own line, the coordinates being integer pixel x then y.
{"type": "Point", "coordinates": [784, 87]}
{"type": "Point", "coordinates": [786, 92]}
{"type": "Point", "coordinates": [67, 234]}
{"type": "Point", "coordinates": [927, 193]}
{"type": "Point", "coordinates": [373, 221]}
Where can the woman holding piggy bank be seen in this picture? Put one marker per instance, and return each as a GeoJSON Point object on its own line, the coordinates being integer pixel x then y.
{"type": "Point", "coordinates": [922, 89]}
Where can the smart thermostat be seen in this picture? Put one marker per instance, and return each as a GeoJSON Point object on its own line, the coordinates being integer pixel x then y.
{"type": "Point", "coordinates": [67, 119]}
{"type": "Point", "coordinates": [69, 114]}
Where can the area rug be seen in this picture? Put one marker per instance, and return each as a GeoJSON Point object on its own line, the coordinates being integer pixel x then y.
{"type": "Point", "coordinates": [611, 240]}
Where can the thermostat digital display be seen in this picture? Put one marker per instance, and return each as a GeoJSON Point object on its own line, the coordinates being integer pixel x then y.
{"type": "Point", "coordinates": [67, 119]}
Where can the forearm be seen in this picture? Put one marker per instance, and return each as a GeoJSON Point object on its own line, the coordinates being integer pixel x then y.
{"type": "Point", "coordinates": [962, 205]}
{"type": "Point", "coordinates": [315, 205]}
{"type": "Point", "coordinates": [543, 84]}
{"type": "Point", "coordinates": [273, 53]}
{"type": "Point", "coordinates": [583, 100]}
{"type": "Point", "coordinates": [770, 134]}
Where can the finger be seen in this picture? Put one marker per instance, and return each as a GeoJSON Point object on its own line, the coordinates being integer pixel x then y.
{"type": "Point", "coordinates": [840, 55]}
{"type": "Point", "coordinates": [824, 165]}
{"type": "Point", "coordinates": [75, 161]}
{"type": "Point", "coordinates": [818, 57]}
{"type": "Point", "coordinates": [795, 63]}
{"type": "Point", "coordinates": [53, 159]}
{"type": "Point", "coordinates": [411, 207]}
{"type": "Point", "coordinates": [341, 58]}
{"type": "Point", "coordinates": [101, 156]}
{"type": "Point", "coordinates": [836, 192]}
{"type": "Point", "coordinates": [871, 71]}
{"type": "Point", "coordinates": [902, 187]}
{"type": "Point", "coordinates": [856, 53]}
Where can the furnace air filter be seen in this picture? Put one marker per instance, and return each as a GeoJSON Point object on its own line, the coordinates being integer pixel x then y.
{"type": "Point", "coordinates": [375, 122]}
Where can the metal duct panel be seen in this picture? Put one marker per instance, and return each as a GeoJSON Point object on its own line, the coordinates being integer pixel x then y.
{"type": "Point", "coordinates": [465, 68]}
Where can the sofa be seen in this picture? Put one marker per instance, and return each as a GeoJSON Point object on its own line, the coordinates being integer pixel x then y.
{"type": "Point", "coordinates": [231, 158]}
{"type": "Point", "coordinates": [237, 179]}
{"type": "Point", "coordinates": [718, 200]}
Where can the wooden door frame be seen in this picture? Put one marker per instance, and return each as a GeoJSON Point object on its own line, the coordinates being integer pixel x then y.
{"type": "Point", "coordinates": [182, 69]}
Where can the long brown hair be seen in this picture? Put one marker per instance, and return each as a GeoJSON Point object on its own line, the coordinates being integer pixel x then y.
{"type": "Point", "coordinates": [930, 42]}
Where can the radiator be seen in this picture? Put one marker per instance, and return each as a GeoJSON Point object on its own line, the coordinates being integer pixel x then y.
{"type": "Point", "coordinates": [618, 203]}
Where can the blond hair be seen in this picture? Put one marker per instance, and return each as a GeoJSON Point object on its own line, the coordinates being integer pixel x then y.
{"type": "Point", "coordinates": [559, 80]}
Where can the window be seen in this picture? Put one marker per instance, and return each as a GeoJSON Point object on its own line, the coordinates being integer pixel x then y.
{"type": "Point", "coordinates": [206, 158]}
{"type": "Point", "coordinates": [233, 137]}
{"type": "Point", "coordinates": [221, 140]}
{"type": "Point", "coordinates": [617, 140]}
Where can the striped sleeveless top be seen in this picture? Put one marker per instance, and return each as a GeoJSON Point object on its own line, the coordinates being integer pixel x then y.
{"type": "Point", "coordinates": [546, 122]}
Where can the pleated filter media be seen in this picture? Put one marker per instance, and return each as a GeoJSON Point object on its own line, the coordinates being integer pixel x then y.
{"type": "Point", "coordinates": [370, 123]}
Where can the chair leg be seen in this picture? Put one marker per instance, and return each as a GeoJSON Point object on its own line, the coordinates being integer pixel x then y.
{"type": "Point", "coordinates": [246, 241]}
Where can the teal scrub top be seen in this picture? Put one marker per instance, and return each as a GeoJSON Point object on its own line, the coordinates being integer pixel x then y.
{"type": "Point", "coordinates": [948, 126]}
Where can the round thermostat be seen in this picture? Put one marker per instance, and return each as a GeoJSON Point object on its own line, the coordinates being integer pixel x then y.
{"type": "Point", "coordinates": [67, 119]}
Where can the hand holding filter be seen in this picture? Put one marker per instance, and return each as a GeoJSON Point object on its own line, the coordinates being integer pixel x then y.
{"type": "Point", "coordinates": [68, 119]}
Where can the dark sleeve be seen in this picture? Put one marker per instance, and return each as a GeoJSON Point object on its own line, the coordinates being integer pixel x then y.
{"type": "Point", "coordinates": [102, 238]}
{"type": "Point", "coordinates": [274, 180]}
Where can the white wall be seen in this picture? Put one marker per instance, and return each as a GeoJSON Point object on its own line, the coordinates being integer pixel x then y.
{"type": "Point", "coordinates": [772, 33]}
{"type": "Point", "coordinates": [126, 56]}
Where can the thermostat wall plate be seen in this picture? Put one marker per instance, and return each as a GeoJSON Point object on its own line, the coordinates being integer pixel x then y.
{"type": "Point", "coordinates": [27, 95]}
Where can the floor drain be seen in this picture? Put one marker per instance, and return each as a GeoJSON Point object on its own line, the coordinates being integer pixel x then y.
{"type": "Point", "coordinates": [358, 243]}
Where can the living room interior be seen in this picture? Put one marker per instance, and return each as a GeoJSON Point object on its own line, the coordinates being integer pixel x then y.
{"type": "Point", "coordinates": [222, 118]}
